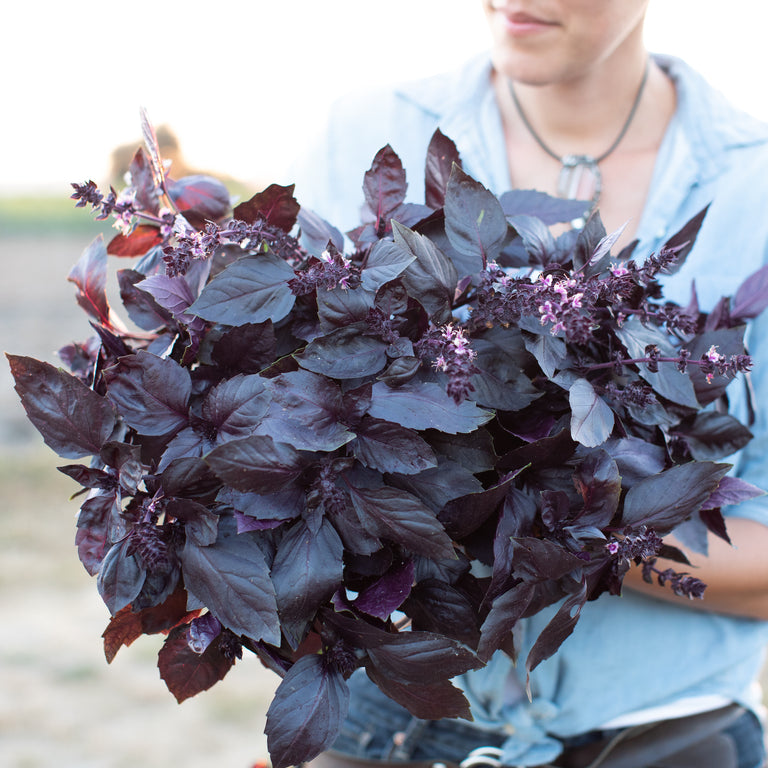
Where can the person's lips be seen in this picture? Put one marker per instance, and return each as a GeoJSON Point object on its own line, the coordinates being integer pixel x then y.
{"type": "Point", "coordinates": [521, 23]}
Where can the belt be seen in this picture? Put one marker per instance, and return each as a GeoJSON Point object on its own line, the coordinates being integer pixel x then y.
{"type": "Point", "coordinates": [677, 743]}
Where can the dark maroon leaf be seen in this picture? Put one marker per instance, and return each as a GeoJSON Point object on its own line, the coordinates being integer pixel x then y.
{"type": "Point", "coordinates": [387, 593]}
{"type": "Point", "coordinates": [121, 577]}
{"type": "Point", "coordinates": [93, 529]}
{"type": "Point", "coordinates": [732, 490]}
{"type": "Point", "coordinates": [598, 481]}
{"type": "Point", "coordinates": [138, 242]}
{"type": "Point", "coordinates": [186, 672]}
{"type": "Point", "coordinates": [384, 262]}
{"type": "Point", "coordinates": [389, 447]}
{"type": "Point", "coordinates": [236, 406]}
{"type": "Point", "coordinates": [430, 277]}
{"type": "Point", "coordinates": [537, 240]}
{"type": "Point", "coordinates": [340, 307]}
{"type": "Point", "coordinates": [301, 398]}
{"type": "Point", "coordinates": [713, 435]}
{"type": "Point", "coordinates": [89, 478]}
{"type": "Point", "coordinates": [200, 523]}
{"type": "Point", "coordinates": [73, 420]}
{"type": "Point", "coordinates": [204, 196]}
{"type": "Point", "coordinates": [715, 522]}
{"type": "Point", "coordinates": [152, 393]}
{"type": "Point", "coordinates": [344, 354]}
{"type": "Point", "coordinates": [285, 504]}
{"type": "Point", "coordinates": [257, 463]}
{"type": "Point", "coordinates": [661, 501]}
{"type": "Point", "coordinates": [591, 417]}
{"type": "Point", "coordinates": [276, 204]}
{"type": "Point", "coordinates": [435, 606]}
{"type": "Point", "coordinates": [507, 609]}
{"type": "Point", "coordinates": [247, 348]}
{"type": "Point", "coordinates": [146, 172]}
{"type": "Point", "coordinates": [635, 458]}
{"type": "Point", "coordinates": [436, 487]}
{"type": "Point", "coordinates": [307, 712]}
{"type": "Point", "coordinates": [251, 290]}
{"type": "Point", "coordinates": [464, 515]}
{"type": "Point", "coordinates": [752, 296]}
{"type": "Point", "coordinates": [429, 701]}
{"type": "Point", "coordinates": [384, 185]}
{"type": "Point", "coordinates": [425, 405]}
{"type": "Point", "coordinates": [307, 570]}
{"type": "Point", "coordinates": [683, 240]}
{"type": "Point", "coordinates": [558, 629]}
{"type": "Point", "coordinates": [414, 657]}
{"type": "Point", "coordinates": [231, 578]}
{"type": "Point", "coordinates": [441, 157]}
{"type": "Point", "coordinates": [90, 277]}
{"type": "Point", "coordinates": [190, 478]}
{"type": "Point", "coordinates": [474, 222]}
{"type": "Point", "coordinates": [549, 210]}
{"type": "Point", "coordinates": [390, 513]}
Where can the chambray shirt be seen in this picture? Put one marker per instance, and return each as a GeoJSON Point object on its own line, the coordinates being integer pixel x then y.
{"type": "Point", "coordinates": [633, 652]}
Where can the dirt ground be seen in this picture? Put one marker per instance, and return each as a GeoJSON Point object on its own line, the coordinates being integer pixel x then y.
{"type": "Point", "coordinates": [61, 704]}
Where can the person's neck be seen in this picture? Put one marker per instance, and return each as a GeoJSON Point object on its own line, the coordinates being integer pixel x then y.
{"type": "Point", "coordinates": [580, 115]}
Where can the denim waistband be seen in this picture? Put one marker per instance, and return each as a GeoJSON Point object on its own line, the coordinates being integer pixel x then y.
{"type": "Point", "coordinates": [377, 728]}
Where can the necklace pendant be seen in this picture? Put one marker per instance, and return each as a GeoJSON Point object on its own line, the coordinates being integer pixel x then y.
{"type": "Point", "coordinates": [580, 179]}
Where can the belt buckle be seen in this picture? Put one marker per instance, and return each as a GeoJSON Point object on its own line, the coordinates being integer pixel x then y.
{"type": "Point", "coordinates": [483, 756]}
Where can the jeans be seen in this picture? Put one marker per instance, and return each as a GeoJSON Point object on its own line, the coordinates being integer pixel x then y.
{"type": "Point", "coordinates": [377, 728]}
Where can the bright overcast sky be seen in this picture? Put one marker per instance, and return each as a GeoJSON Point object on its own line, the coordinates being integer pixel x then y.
{"type": "Point", "coordinates": [241, 83]}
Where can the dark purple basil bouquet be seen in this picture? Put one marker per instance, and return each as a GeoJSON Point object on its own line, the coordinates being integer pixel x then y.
{"type": "Point", "coordinates": [382, 456]}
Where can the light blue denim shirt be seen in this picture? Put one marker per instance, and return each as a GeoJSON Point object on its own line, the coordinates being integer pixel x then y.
{"type": "Point", "coordinates": [632, 652]}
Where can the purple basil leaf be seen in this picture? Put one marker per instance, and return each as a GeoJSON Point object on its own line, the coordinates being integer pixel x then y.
{"type": "Point", "coordinates": [307, 570]}
{"type": "Point", "coordinates": [715, 522]}
{"type": "Point", "coordinates": [728, 341]}
{"type": "Point", "coordinates": [186, 671]}
{"type": "Point", "coordinates": [285, 504]}
{"type": "Point", "coordinates": [420, 657]}
{"type": "Point", "coordinates": [550, 210]}
{"type": "Point", "coordinates": [246, 523]}
{"type": "Point", "coordinates": [441, 157]}
{"type": "Point", "coordinates": [236, 406]}
{"type": "Point", "coordinates": [732, 490]}
{"type": "Point", "coordinates": [142, 308]}
{"type": "Point", "coordinates": [390, 513]}
{"type": "Point", "coordinates": [752, 296]}
{"type": "Point", "coordinates": [591, 417]}
{"type": "Point", "coordinates": [426, 701]}
{"type": "Point", "coordinates": [474, 222]}
{"type": "Point", "coordinates": [713, 435]}
{"type": "Point", "coordinates": [384, 262]}
{"type": "Point", "coordinates": [435, 606]}
{"type": "Point", "coordinates": [502, 382]}
{"type": "Point", "coordinates": [387, 593]}
{"type": "Point", "coordinates": [558, 629]}
{"type": "Point", "coordinates": [203, 631]}
{"type": "Point", "coordinates": [425, 405]}
{"type": "Point", "coordinates": [174, 295]}
{"type": "Point", "coordinates": [344, 353]}
{"type": "Point", "coordinates": [200, 197]}
{"type": "Point", "coordinates": [307, 712]}
{"type": "Point", "coordinates": [121, 577]}
{"type": "Point", "coordinates": [341, 307]}
{"type": "Point", "coordinates": [635, 458]}
{"type": "Point", "coordinates": [189, 478]}
{"type": "Point", "coordinates": [90, 277]}
{"type": "Point", "coordinates": [474, 451]}
{"type": "Point", "coordinates": [152, 393]}
{"type": "Point", "coordinates": [389, 447]}
{"type": "Point", "coordinates": [546, 452]}
{"type": "Point", "coordinates": [276, 204]}
{"type": "Point", "coordinates": [231, 578]}
{"type": "Point", "coordinates": [683, 240]}
{"type": "Point", "coordinates": [436, 487]}
{"type": "Point", "coordinates": [384, 186]}
{"type": "Point", "coordinates": [94, 523]}
{"type": "Point", "coordinates": [430, 277]}
{"type": "Point", "coordinates": [300, 398]}
{"type": "Point", "coordinates": [251, 290]}
{"type": "Point", "coordinates": [537, 240]}
{"type": "Point", "coordinates": [189, 443]}
{"type": "Point", "coordinates": [668, 381]}
{"type": "Point", "coordinates": [88, 477]}
{"type": "Point", "coordinates": [550, 351]}
{"type": "Point", "coordinates": [200, 523]}
{"type": "Point", "coordinates": [506, 611]}
{"type": "Point", "coordinates": [73, 420]}
{"type": "Point", "coordinates": [664, 500]}
{"type": "Point", "coordinates": [257, 463]}
{"type": "Point", "coordinates": [692, 534]}
{"type": "Point", "coordinates": [465, 514]}
{"type": "Point", "coordinates": [599, 483]}
{"type": "Point", "coordinates": [316, 233]}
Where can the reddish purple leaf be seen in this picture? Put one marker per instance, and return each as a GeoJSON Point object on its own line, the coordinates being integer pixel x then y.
{"type": "Point", "coordinates": [276, 204]}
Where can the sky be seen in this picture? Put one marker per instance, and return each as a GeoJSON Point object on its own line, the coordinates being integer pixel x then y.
{"type": "Point", "coordinates": [244, 84]}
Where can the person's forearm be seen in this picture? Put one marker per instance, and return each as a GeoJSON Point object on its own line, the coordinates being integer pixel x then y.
{"type": "Point", "coordinates": [736, 576]}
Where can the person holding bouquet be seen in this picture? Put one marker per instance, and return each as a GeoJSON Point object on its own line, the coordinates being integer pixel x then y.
{"type": "Point", "coordinates": [571, 103]}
